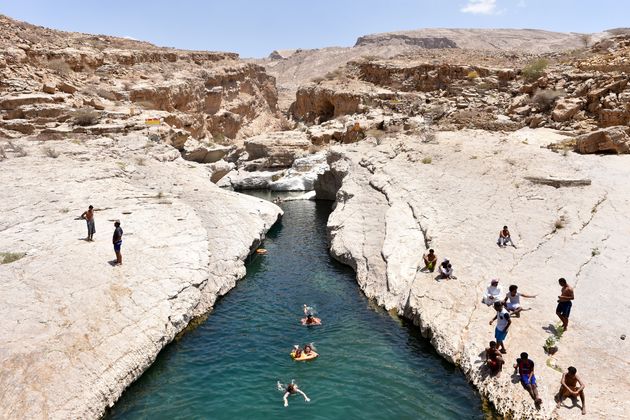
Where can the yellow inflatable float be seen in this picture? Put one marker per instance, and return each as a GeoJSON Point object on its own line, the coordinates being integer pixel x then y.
{"type": "Point", "coordinates": [303, 356]}
{"type": "Point", "coordinates": [261, 251]}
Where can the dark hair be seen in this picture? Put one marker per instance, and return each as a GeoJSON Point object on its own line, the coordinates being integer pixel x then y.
{"type": "Point", "coordinates": [91, 207]}
{"type": "Point", "coordinates": [562, 280]}
{"type": "Point", "coordinates": [449, 265]}
{"type": "Point", "coordinates": [524, 355]}
{"type": "Point", "coordinates": [572, 370]}
{"type": "Point", "coordinates": [431, 251]}
{"type": "Point", "coordinates": [504, 227]}
{"type": "Point", "coordinates": [291, 388]}
{"type": "Point", "coordinates": [493, 344]}
{"type": "Point", "coordinates": [116, 223]}
{"type": "Point", "coordinates": [513, 288]}
{"type": "Point", "coordinates": [499, 304]}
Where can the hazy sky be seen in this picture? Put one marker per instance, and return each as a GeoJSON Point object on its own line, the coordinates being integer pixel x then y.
{"type": "Point", "coordinates": [254, 28]}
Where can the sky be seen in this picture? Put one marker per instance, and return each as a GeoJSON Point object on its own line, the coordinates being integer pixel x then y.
{"type": "Point", "coordinates": [254, 28]}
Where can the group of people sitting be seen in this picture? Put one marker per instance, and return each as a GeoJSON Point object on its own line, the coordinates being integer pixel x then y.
{"type": "Point", "coordinates": [445, 269]}
{"type": "Point", "coordinates": [508, 305]}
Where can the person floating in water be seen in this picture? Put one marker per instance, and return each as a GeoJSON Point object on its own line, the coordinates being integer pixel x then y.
{"type": "Point", "coordinates": [430, 260]}
{"type": "Point", "coordinates": [117, 241]}
{"type": "Point", "coordinates": [563, 310]}
{"type": "Point", "coordinates": [291, 389]}
{"type": "Point", "coordinates": [525, 368]}
{"type": "Point", "coordinates": [310, 317]}
{"type": "Point", "coordinates": [504, 237]}
{"type": "Point", "coordinates": [569, 388]}
{"type": "Point", "coordinates": [88, 215]}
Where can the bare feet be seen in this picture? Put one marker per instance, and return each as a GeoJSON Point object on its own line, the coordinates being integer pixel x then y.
{"type": "Point", "coordinates": [583, 410]}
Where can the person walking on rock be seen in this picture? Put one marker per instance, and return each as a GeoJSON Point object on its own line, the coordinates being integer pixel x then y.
{"type": "Point", "coordinates": [117, 241]}
{"type": "Point", "coordinates": [503, 324]}
{"type": "Point", "coordinates": [88, 215]}
{"type": "Point", "coordinates": [571, 386]}
{"type": "Point", "coordinates": [525, 368]}
{"type": "Point", "coordinates": [563, 310]}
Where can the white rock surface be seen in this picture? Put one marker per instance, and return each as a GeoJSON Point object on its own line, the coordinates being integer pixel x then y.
{"type": "Point", "coordinates": [392, 206]}
{"type": "Point", "coordinates": [75, 330]}
{"type": "Point", "coordinates": [302, 174]}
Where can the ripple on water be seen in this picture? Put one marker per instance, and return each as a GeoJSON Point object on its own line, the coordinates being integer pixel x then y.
{"type": "Point", "coordinates": [371, 366]}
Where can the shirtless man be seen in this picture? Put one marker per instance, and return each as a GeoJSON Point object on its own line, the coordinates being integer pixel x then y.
{"type": "Point", "coordinates": [494, 360]}
{"type": "Point", "coordinates": [430, 260]}
{"type": "Point", "coordinates": [504, 237]}
{"type": "Point", "coordinates": [88, 215]}
{"type": "Point", "coordinates": [569, 388]}
{"type": "Point", "coordinates": [512, 300]}
{"type": "Point", "coordinates": [563, 310]}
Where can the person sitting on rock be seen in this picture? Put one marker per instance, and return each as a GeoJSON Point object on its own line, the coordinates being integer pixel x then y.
{"type": "Point", "coordinates": [513, 300]}
{"type": "Point", "coordinates": [310, 318]}
{"type": "Point", "coordinates": [525, 368]}
{"type": "Point", "coordinates": [291, 389]}
{"type": "Point", "coordinates": [446, 270]}
{"type": "Point", "coordinates": [494, 360]}
{"type": "Point", "coordinates": [503, 324]}
{"type": "Point", "coordinates": [430, 260]}
{"type": "Point", "coordinates": [569, 388]}
{"type": "Point", "coordinates": [504, 237]}
{"type": "Point", "coordinates": [493, 293]}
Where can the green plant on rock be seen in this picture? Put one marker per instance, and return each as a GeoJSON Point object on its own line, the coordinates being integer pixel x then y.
{"type": "Point", "coordinates": [9, 257]}
{"type": "Point", "coordinates": [534, 70]}
{"type": "Point", "coordinates": [427, 160]}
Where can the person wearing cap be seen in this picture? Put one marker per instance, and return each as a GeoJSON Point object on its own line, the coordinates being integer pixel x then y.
{"type": "Point", "coordinates": [493, 293]}
{"type": "Point", "coordinates": [446, 270]}
{"type": "Point", "coordinates": [117, 241]}
{"type": "Point", "coordinates": [504, 237]}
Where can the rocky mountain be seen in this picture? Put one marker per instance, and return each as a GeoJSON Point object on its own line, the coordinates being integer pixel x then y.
{"type": "Point", "coordinates": [58, 83]}
{"type": "Point", "coordinates": [293, 68]}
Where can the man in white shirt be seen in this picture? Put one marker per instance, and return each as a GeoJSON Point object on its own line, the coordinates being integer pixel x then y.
{"type": "Point", "coordinates": [503, 323]}
{"type": "Point", "coordinates": [493, 293]}
{"type": "Point", "coordinates": [513, 300]}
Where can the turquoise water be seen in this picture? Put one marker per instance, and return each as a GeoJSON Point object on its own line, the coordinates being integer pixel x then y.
{"type": "Point", "coordinates": [371, 365]}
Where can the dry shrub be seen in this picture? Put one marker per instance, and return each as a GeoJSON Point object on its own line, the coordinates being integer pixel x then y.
{"type": "Point", "coordinates": [472, 74]}
{"type": "Point", "coordinates": [427, 160]}
{"type": "Point", "coordinates": [9, 257]}
{"type": "Point", "coordinates": [335, 74]}
{"type": "Point", "coordinates": [534, 70]}
{"type": "Point", "coordinates": [59, 66]}
{"type": "Point", "coordinates": [85, 117]}
{"type": "Point", "coordinates": [286, 124]}
{"type": "Point", "coordinates": [545, 99]}
{"type": "Point", "coordinates": [106, 94]}
{"type": "Point", "coordinates": [586, 39]}
{"type": "Point", "coordinates": [3, 154]}
{"type": "Point", "coordinates": [51, 153]}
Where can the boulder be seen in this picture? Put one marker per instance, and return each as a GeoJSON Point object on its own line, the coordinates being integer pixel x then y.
{"type": "Point", "coordinates": [66, 88]}
{"type": "Point", "coordinates": [566, 108]}
{"type": "Point", "coordinates": [302, 175]}
{"type": "Point", "coordinates": [203, 153]}
{"type": "Point", "coordinates": [13, 102]}
{"type": "Point", "coordinates": [607, 140]}
{"type": "Point", "coordinates": [280, 149]}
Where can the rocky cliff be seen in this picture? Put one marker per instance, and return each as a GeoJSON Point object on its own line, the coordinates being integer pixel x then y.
{"type": "Point", "coordinates": [77, 330]}
{"type": "Point", "coordinates": [397, 197]}
{"type": "Point", "coordinates": [58, 83]}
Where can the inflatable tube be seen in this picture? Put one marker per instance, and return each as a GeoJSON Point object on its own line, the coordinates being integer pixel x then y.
{"type": "Point", "coordinates": [261, 251]}
{"type": "Point", "coordinates": [304, 357]}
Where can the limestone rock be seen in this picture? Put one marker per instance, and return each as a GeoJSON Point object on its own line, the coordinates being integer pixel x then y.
{"type": "Point", "coordinates": [565, 109]}
{"type": "Point", "coordinates": [279, 149]}
{"type": "Point", "coordinates": [607, 140]}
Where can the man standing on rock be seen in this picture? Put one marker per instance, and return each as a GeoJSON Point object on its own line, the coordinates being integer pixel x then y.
{"type": "Point", "coordinates": [117, 241]}
{"type": "Point", "coordinates": [88, 215]}
{"type": "Point", "coordinates": [503, 323]}
{"type": "Point", "coordinates": [563, 310]}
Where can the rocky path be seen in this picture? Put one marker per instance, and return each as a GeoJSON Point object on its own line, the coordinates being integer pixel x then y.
{"type": "Point", "coordinates": [454, 194]}
{"type": "Point", "coordinates": [76, 330]}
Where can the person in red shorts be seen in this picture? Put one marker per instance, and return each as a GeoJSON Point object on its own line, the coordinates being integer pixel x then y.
{"type": "Point", "coordinates": [494, 360]}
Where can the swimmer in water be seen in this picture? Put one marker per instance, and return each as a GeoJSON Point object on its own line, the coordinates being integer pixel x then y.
{"type": "Point", "coordinates": [291, 389]}
{"type": "Point", "coordinates": [310, 318]}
